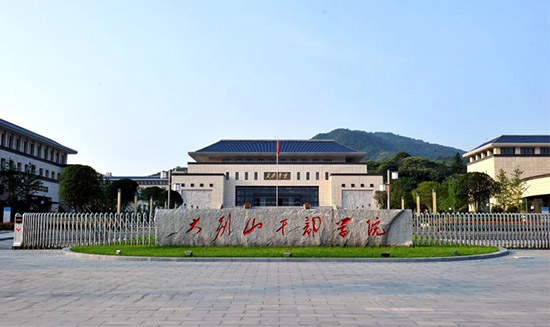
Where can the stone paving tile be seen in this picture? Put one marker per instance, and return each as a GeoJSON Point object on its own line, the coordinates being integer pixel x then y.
{"type": "Point", "coordinates": [45, 288]}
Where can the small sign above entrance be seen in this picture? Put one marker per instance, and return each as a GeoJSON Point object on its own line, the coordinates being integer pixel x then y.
{"type": "Point", "coordinates": [271, 176]}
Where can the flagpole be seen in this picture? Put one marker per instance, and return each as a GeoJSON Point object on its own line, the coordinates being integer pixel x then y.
{"type": "Point", "coordinates": [277, 178]}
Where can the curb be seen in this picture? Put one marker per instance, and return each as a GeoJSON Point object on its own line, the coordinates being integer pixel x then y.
{"type": "Point", "coordinates": [501, 252]}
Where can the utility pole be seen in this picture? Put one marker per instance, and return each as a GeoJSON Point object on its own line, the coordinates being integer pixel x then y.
{"type": "Point", "coordinates": [434, 200]}
{"type": "Point", "coordinates": [151, 206]}
{"type": "Point", "coordinates": [135, 204]}
{"type": "Point", "coordinates": [389, 202]}
{"type": "Point", "coordinates": [118, 201]}
{"type": "Point", "coordinates": [417, 204]}
{"type": "Point", "coordinates": [169, 186]}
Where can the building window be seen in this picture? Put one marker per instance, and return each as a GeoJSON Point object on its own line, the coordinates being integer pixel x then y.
{"type": "Point", "coordinates": [10, 141]}
{"type": "Point", "coordinates": [53, 175]}
{"type": "Point", "coordinates": [17, 145]}
{"type": "Point", "coordinates": [282, 160]}
{"type": "Point", "coordinates": [3, 138]}
{"type": "Point", "coordinates": [261, 196]}
{"type": "Point", "coordinates": [3, 163]}
{"type": "Point", "coordinates": [211, 185]}
{"type": "Point", "coordinates": [237, 176]}
{"type": "Point", "coordinates": [371, 185]}
{"type": "Point", "coordinates": [39, 151]}
{"type": "Point", "coordinates": [249, 160]}
{"type": "Point", "coordinates": [362, 185]}
{"type": "Point", "coordinates": [343, 185]}
{"type": "Point", "coordinates": [352, 185]}
{"type": "Point", "coordinates": [307, 176]}
{"type": "Point", "coordinates": [298, 176]}
{"type": "Point", "coordinates": [192, 185]}
{"type": "Point", "coordinates": [32, 150]}
{"type": "Point", "coordinates": [245, 175]}
{"type": "Point", "coordinates": [201, 185]}
{"type": "Point", "coordinates": [226, 160]}
{"type": "Point", "coordinates": [41, 172]}
{"type": "Point", "coordinates": [255, 175]}
{"type": "Point", "coordinates": [326, 175]}
{"type": "Point", "coordinates": [227, 176]}
{"type": "Point", "coordinates": [261, 160]}
{"type": "Point", "coordinates": [317, 175]}
{"type": "Point", "coordinates": [507, 151]}
{"type": "Point", "coordinates": [315, 160]}
{"type": "Point", "coordinates": [47, 173]}
{"type": "Point", "coordinates": [328, 160]}
{"type": "Point", "coordinates": [25, 146]}
{"type": "Point", "coordinates": [51, 155]}
{"type": "Point", "coordinates": [57, 157]}
{"type": "Point", "coordinates": [271, 160]}
{"type": "Point", "coordinates": [182, 184]}
{"type": "Point", "coordinates": [545, 151]}
{"type": "Point", "coordinates": [293, 160]}
{"type": "Point", "coordinates": [304, 160]}
{"type": "Point", "coordinates": [527, 150]}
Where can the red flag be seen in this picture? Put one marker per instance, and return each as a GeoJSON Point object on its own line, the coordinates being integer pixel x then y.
{"type": "Point", "coordinates": [278, 148]}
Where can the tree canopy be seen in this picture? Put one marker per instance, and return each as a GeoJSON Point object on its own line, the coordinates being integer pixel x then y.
{"type": "Point", "coordinates": [81, 188]}
{"type": "Point", "coordinates": [477, 188]}
{"type": "Point", "coordinates": [20, 187]}
{"type": "Point", "coordinates": [128, 189]}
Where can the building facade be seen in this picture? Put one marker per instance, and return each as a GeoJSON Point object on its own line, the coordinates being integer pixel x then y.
{"type": "Point", "coordinates": [530, 153]}
{"type": "Point", "coordinates": [26, 149]}
{"type": "Point", "coordinates": [158, 180]}
{"type": "Point", "coordinates": [322, 173]}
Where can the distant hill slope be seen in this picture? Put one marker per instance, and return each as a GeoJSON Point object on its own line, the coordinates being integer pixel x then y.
{"type": "Point", "coordinates": [381, 145]}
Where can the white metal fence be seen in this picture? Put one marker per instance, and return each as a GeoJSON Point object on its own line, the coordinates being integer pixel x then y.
{"type": "Point", "coordinates": [511, 230]}
{"type": "Point", "coordinates": [57, 230]}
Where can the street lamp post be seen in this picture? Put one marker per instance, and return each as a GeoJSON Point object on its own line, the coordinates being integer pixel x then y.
{"type": "Point", "coordinates": [394, 175]}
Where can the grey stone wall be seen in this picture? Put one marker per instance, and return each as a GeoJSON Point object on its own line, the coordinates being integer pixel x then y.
{"type": "Point", "coordinates": [263, 227]}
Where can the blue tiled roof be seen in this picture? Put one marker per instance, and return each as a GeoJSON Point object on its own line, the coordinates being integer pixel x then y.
{"type": "Point", "coordinates": [38, 137]}
{"type": "Point", "coordinates": [266, 146]}
{"type": "Point", "coordinates": [518, 139]}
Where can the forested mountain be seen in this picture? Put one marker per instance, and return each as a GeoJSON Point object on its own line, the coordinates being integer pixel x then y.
{"type": "Point", "coordinates": [381, 145]}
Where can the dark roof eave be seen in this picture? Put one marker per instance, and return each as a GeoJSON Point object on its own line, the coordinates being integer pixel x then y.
{"type": "Point", "coordinates": [221, 154]}
{"type": "Point", "coordinates": [20, 130]}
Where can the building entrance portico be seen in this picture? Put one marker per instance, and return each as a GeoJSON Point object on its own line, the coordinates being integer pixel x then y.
{"type": "Point", "coordinates": [265, 196]}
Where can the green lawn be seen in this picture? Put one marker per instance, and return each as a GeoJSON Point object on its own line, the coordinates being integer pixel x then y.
{"type": "Point", "coordinates": [303, 252]}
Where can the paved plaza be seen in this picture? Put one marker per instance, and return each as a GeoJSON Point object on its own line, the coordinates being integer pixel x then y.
{"type": "Point", "coordinates": [45, 288]}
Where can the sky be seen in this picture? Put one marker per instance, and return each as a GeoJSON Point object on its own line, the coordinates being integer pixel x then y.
{"type": "Point", "coordinates": [135, 85]}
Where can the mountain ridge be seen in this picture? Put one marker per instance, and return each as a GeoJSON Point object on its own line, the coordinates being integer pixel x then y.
{"type": "Point", "coordinates": [383, 145]}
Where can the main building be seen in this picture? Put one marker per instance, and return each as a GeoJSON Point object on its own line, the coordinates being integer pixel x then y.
{"type": "Point", "coordinates": [322, 173]}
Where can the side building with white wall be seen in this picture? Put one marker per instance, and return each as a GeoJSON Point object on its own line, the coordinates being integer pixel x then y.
{"type": "Point", "coordinates": [322, 173]}
{"type": "Point", "coordinates": [26, 149]}
{"type": "Point", "coordinates": [530, 153]}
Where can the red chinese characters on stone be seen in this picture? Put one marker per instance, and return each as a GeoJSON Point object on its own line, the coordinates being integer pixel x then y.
{"type": "Point", "coordinates": [194, 226]}
{"type": "Point", "coordinates": [225, 223]}
{"type": "Point", "coordinates": [374, 228]}
{"type": "Point", "coordinates": [343, 226]}
{"type": "Point", "coordinates": [247, 230]}
{"type": "Point", "coordinates": [281, 229]}
{"type": "Point", "coordinates": [312, 226]}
